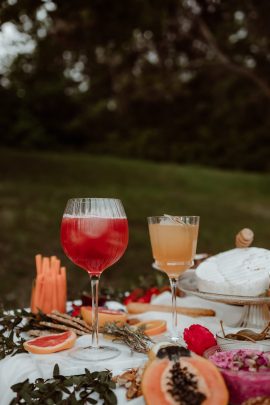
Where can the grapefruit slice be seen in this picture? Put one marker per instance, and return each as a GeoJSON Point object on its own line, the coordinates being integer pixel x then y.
{"type": "Point", "coordinates": [51, 343]}
{"type": "Point", "coordinates": [154, 327]}
{"type": "Point", "coordinates": [104, 315]}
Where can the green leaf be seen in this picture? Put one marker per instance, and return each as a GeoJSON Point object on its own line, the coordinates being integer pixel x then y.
{"type": "Point", "coordinates": [92, 401]}
{"type": "Point", "coordinates": [56, 371]}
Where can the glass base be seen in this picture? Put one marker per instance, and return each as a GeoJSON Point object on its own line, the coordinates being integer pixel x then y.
{"type": "Point", "coordinates": [254, 316]}
{"type": "Point", "coordinates": [96, 354]}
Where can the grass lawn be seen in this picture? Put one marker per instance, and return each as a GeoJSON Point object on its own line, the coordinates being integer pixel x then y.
{"type": "Point", "coordinates": [34, 188]}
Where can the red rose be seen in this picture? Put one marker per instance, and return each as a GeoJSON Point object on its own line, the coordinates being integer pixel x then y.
{"type": "Point", "coordinates": [198, 339]}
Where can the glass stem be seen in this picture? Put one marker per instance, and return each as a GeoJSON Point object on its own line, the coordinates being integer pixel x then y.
{"type": "Point", "coordinates": [94, 290]}
{"type": "Point", "coordinates": [175, 334]}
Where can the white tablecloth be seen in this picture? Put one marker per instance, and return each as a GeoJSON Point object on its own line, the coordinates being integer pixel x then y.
{"type": "Point", "coordinates": [22, 366]}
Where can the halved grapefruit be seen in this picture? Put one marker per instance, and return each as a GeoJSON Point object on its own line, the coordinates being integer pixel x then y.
{"type": "Point", "coordinates": [51, 343]}
{"type": "Point", "coordinates": [154, 327]}
{"type": "Point", "coordinates": [104, 315]}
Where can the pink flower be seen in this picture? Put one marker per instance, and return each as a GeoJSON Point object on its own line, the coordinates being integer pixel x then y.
{"type": "Point", "coordinates": [198, 339]}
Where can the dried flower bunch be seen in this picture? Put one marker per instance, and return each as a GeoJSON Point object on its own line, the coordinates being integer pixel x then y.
{"type": "Point", "coordinates": [246, 360]}
{"type": "Point", "coordinates": [248, 334]}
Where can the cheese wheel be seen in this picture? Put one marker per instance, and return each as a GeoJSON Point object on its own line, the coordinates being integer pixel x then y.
{"type": "Point", "coordinates": [243, 272]}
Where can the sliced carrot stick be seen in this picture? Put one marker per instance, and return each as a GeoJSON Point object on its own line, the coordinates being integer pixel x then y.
{"type": "Point", "coordinates": [64, 278]}
{"type": "Point", "coordinates": [53, 271]}
{"type": "Point", "coordinates": [45, 265]}
{"type": "Point", "coordinates": [47, 303]}
{"type": "Point", "coordinates": [39, 263]}
{"type": "Point", "coordinates": [47, 286]}
{"type": "Point", "coordinates": [40, 292]}
{"type": "Point", "coordinates": [52, 259]}
{"type": "Point", "coordinates": [50, 288]}
{"type": "Point", "coordinates": [59, 292]}
{"type": "Point", "coordinates": [61, 285]}
{"type": "Point", "coordinates": [56, 272]}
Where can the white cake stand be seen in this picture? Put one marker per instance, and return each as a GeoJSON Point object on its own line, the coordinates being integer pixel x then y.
{"type": "Point", "coordinates": [255, 314]}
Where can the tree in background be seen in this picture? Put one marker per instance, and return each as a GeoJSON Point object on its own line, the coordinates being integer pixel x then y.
{"type": "Point", "coordinates": [181, 80]}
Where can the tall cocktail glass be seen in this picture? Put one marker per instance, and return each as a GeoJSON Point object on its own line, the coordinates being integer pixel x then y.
{"type": "Point", "coordinates": [94, 235]}
{"type": "Point", "coordinates": [174, 241]}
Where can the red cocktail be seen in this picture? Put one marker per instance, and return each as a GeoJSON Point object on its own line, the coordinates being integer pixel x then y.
{"type": "Point", "coordinates": [94, 235]}
{"type": "Point", "coordinates": [94, 243]}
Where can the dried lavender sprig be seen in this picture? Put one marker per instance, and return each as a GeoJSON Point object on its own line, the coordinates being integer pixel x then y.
{"type": "Point", "coordinates": [135, 338]}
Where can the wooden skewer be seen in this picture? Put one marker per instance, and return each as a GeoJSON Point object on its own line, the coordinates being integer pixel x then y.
{"type": "Point", "coordinates": [138, 307]}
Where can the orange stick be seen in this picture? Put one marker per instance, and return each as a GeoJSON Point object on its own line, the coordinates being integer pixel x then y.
{"type": "Point", "coordinates": [45, 265]}
{"type": "Point", "coordinates": [46, 307]}
{"type": "Point", "coordinates": [52, 261]}
{"type": "Point", "coordinates": [64, 281]}
{"type": "Point", "coordinates": [59, 292]}
{"type": "Point", "coordinates": [39, 259]}
{"type": "Point", "coordinates": [61, 285]}
{"type": "Point", "coordinates": [39, 263]}
{"type": "Point", "coordinates": [38, 293]}
{"type": "Point", "coordinates": [56, 265]}
{"type": "Point", "coordinates": [53, 271]}
{"type": "Point", "coordinates": [41, 296]}
{"type": "Point", "coordinates": [39, 283]}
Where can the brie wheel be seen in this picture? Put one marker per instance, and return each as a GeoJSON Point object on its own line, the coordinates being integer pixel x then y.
{"type": "Point", "coordinates": [243, 272]}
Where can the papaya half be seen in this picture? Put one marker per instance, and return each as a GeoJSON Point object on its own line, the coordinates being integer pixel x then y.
{"type": "Point", "coordinates": [182, 378]}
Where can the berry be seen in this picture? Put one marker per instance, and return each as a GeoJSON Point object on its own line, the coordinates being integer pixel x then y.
{"type": "Point", "coordinates": [76, 310]}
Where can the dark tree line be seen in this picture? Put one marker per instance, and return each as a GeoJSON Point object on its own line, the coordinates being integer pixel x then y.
{"type": "Point", "coordinates": [177, 80]}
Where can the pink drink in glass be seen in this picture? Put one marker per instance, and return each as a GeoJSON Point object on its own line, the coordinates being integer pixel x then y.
{"type": "Point", "coordinates": [94, 243]}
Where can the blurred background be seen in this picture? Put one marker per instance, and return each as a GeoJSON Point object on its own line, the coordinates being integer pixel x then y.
{"type": "Point", "coordinates": [163, 104]}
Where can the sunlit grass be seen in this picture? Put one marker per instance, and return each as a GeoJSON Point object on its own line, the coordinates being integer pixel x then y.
{"type": "Point", "coordinates": [35, 187]}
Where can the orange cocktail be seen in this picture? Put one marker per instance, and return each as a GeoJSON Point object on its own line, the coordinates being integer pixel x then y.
{"type": "Point", "coordinates": [173, 240]}
{"type": "Point", "coordinates": [173, 245]}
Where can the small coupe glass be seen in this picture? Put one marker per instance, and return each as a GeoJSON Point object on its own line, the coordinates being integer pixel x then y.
{"type": "Point", "coordinates": [94, 235]}
{"type": "Point", "coordinates": [174, 241]}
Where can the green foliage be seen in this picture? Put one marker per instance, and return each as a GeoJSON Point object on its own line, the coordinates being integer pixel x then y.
{"type": "Point", "coordinates": [11, 343]}
{"type": "Point", "coordinates": [172, 81]}
{"type": "Point", "coordinates": [60, 390]}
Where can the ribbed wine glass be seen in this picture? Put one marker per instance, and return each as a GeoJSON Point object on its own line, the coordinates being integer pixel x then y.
{"type": "Point", "coordinates": [94, 235]}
